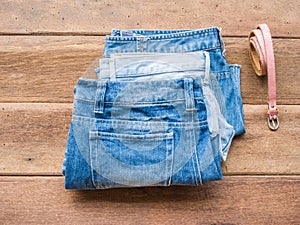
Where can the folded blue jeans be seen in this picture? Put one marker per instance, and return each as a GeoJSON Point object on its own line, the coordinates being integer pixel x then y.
{"type": "Point", "coordinates": [225, 79]}
{"type": "Point", "coordinates": [151, 127]}
{"type": "Point", "coordinates": [166, 66]}
{"type": "Point", "coordinates": [127, 134]}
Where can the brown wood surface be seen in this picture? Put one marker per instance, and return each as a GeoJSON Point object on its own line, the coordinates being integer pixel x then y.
{"type": "Point", "coordinates": [45, 46]}
{"type": "Point", "coordinates": [45, 69]}
{"type": "Point", "coordinates": [35, 137]}
{"type": "Point", "coordinates": [98, 17]}
{"type": "Point", "coordinates": [235, 200]}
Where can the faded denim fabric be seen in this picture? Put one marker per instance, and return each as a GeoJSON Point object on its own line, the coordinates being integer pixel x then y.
{"type": "Point", "coordinates": [154, 119]}
{"type": "Point", "coordinates": [126, 134]}
{"type": "Point", "coordinates": [166, 66]}
{"type": "Point", "coordinates": [225, 79]}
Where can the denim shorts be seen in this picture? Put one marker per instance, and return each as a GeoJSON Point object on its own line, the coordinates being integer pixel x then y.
{"type": "Point", "coordinates": [154, 119]}
{"type": "Point", "coordinates": [166, 66]}
{"type": "Point", "coordinates": [225, 79]}
{"type": "Point", "coordinates": [127, 134]}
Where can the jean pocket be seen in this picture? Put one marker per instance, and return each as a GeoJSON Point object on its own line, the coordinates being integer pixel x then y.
{"type": "Point", "coordinates": [120, 160]}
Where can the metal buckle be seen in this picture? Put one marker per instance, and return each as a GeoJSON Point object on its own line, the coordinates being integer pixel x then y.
{"type": "Point", "coordinates": [273, 123]}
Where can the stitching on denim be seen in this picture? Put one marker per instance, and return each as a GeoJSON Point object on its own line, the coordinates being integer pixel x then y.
{"type": "Point", "coordinates": [167, 161]}
{"type": "Point", "coordinates": [203, 32]}
{"type": "Point", "coordinates": [191, 146]}
{"type": "Point", "coordinates": [134, 75]}
{"type": "Point", "coordinates": [197, 161]}
{"type": "Point", "coordinates": [142, 124]}
{"type": "Point", "coordinates": [193, 162]}
{"type": "Point", "coordinates": [220, 74]}
{"type": "Point", "coordinates": [155, 136]}
{"type": "Point", "coordinates": [91, 163]}
{"type": "Point", "coordinates": [139, 103]}
{"type": "Point", "coordinates": [172, 159]}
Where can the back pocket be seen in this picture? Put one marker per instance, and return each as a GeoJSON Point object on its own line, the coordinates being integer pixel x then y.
{"type": "Point", "coordinates": [119, 160]}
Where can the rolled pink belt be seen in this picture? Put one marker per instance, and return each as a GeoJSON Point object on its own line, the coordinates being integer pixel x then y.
{"type": "Point", "coordinates": [262, 58]}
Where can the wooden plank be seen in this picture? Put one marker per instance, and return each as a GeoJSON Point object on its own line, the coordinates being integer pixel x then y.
{"type": "Point", "coordinates": [262, 151]}
{"type": "Point", "coordinates": [255, 88]}
{"type": "Point", "coordinates": [45, 69]}
{"type": "Point", "coordinates": [98, 17]}
{"type": "Point", "coordinates": [235, 200]}
{"type": "Point", "coordinates": [34, 139]}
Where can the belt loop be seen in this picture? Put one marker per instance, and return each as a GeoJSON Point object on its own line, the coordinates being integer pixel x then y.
{"type": "Point", "coordinates": [207, 67]}
{"type": "Point", "coordinates": [221, 41]}
{"type": "Point", "coordinates": [141, 41]}
{"type": "Point", "coordinates": [100, 97]}
{"type": "Point", "coordinates": [112, 69]}
{"type": "Point", "coordinates": [189, 94]}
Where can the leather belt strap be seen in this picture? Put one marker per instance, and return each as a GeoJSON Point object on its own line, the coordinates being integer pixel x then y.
{"type": "Point", "coordinates": [262, 58]}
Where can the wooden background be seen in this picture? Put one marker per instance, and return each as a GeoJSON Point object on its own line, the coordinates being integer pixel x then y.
{"type": "Point", "coordinates": [45, 46]}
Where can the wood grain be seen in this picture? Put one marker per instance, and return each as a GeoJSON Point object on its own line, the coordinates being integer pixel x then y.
{"type": "Point", "coordinates": [45, 69]}
{"type": "Point", "coordinates": [235, 200]}
{"type": "Point", "coordinates": [262, 151]}
{"type": "Point", "coordinates": [45, 46]}
{"type": "Point", "coordinates": [99, 17]}
{"type": "Point", "coordinates": [35, 138]}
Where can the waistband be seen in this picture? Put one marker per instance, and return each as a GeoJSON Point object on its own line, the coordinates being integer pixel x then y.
{"type": "Point", "coordinates": [133, 35]}
{"type": "Point", "coordinates": [133, 65]}
{"type": "Point", "coordinates": [163, 41]}
{"type": "Point", "coordinates": [132, 32]}
{"type": "Point", "coordinates": [137, 92]}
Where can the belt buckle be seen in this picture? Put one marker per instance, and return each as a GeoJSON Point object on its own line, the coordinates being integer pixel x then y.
{"type": "Point", "coordinates": [273, 123]}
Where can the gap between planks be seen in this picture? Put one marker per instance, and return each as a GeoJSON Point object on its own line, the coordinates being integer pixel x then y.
{"type": "Point", "coordinates": [36, 134]}
{"type": "Point", "coordinates": [234, 200]}
{"type": "Point", "coordinates": [104, 34]}
{"type": "Point", "coordinates": [33, 60]}
{"type": "Point", "coordinates": [236, 18]}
